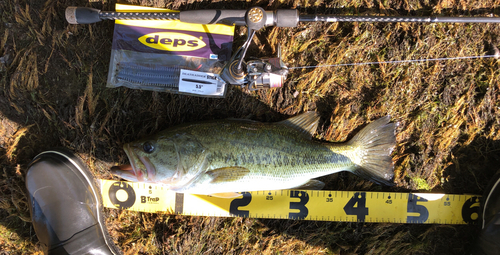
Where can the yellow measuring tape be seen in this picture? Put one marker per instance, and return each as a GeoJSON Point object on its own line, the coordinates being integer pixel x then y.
{"type": "Point", "coordinates": [321, 205]}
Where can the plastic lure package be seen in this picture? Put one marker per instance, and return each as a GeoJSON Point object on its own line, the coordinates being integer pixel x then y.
{"type": "Point", "coordinates": [169, 56]}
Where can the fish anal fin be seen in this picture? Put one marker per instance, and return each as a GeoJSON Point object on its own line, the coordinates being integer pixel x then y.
{"type": "Point", "coordinates": [311, 185]}
{"type": "Point", "coordinates": [306, 123]}
{"type": "Point", "coordinates": [228, 174]}
{"type": "Point", "coordinates": [226, 195]}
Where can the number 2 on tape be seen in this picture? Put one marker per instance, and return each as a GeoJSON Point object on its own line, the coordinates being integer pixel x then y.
{"type": "Point", "coordinates": [236, 203]}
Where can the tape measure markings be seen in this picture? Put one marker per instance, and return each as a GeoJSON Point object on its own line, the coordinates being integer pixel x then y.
{"type": "Point", "coordinates": [350, 206]}
{"type": "Point", "coordinates": [179, 203]}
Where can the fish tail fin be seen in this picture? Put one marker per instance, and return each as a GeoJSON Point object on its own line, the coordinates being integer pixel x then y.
{"type": "Point", "coordinates": [375, 142]}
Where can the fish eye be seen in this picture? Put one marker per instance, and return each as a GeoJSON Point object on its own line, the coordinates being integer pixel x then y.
{"type": "Point", "coordinates": [148, 147]}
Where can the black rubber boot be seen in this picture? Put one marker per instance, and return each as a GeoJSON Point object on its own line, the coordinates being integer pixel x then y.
{"type": "Point", "coordinates": [488, 241]}
{"type": "Point", "coordinates": [66, 206]}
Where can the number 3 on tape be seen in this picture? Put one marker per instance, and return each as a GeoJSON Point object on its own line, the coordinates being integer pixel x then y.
{"type": "Point", "coordinates": [300, 205]}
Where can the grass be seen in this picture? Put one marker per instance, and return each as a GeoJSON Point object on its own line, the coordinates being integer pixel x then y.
{"type": "Point", "coordinates": [53, 76]}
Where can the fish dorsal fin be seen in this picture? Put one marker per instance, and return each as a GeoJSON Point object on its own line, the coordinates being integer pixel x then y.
{"type": "Point", "coordinates": [227, 174]}
{"type": "Point", "coordinates": [306, 123]}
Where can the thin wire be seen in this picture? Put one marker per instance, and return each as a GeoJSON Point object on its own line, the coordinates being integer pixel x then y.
{"type": "Point", "coordinates": [396, 61]}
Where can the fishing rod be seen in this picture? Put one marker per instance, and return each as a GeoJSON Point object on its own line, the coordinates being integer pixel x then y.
{"type": "Point", "coordinates": [260, 73]}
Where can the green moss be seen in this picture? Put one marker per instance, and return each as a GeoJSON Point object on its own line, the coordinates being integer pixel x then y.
{"type": "Point", "coordinates": [421, 183]}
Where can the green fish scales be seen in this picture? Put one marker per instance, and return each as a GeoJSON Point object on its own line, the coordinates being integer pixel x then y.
{"type": "Point", "coordinates": [295, 156]}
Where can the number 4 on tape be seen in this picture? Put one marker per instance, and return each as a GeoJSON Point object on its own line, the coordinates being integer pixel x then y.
{"type": "Point", "coordinates": [357, 206]}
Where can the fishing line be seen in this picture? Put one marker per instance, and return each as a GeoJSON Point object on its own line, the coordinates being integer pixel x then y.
{"type": "Point", "coordinates": [396, 61]}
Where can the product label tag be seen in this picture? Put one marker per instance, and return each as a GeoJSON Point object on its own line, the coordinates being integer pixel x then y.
{"type": "Point", "coordinates": [201, 83]}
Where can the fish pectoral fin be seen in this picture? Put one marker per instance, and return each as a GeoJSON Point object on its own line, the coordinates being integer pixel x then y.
{"type": "Point", "coordinates": [226, 195]}
{"type": "Point", "coordinates": [228, 174]}
{"type": "Point", "coordinates": [311, 184]}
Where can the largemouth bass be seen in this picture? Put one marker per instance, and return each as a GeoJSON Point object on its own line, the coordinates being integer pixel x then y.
{"type": "Point", "coordinates": [227, 156]}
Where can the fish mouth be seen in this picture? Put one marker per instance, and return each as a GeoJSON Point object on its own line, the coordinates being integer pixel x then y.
{"type": "Point", "coordinates": [141, 170]}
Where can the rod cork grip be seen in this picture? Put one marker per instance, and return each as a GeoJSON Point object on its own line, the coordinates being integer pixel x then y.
{"type": "Point", "coordinates": [82, 15]}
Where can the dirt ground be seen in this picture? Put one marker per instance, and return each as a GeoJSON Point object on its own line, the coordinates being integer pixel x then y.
{"type": "Point", "coordinates": [53, 94]}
